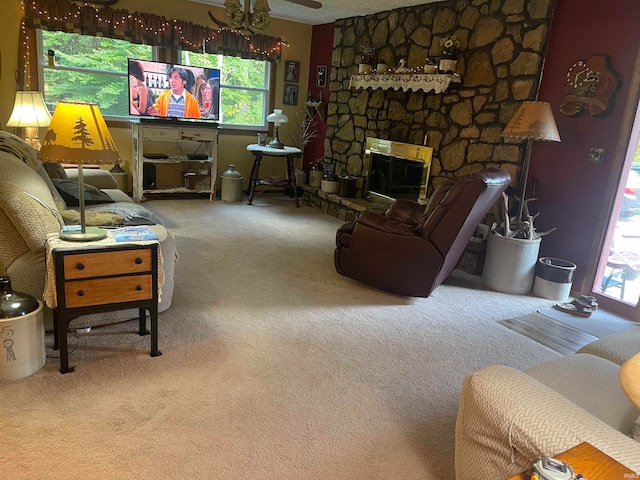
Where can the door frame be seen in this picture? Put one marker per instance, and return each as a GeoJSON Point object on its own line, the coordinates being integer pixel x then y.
{"type": "Point", "coordinates": [620, 153]}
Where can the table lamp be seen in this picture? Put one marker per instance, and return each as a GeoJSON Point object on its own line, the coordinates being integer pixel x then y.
{"type": "Point", "coordinates": [630, 379]}
{"type": "Point", "coordinates": [79, 135]}
{"type": "Point", "coordinates": [30, 112]}
{"type": "Point", "coordinates": [277, 118]}
{"type": "Point", "coordinates": [532, 121]}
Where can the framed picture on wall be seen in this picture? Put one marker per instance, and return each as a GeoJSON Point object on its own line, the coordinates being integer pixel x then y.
{"type": "Point", "coordinates": [291, 71]}
{"type": "Point", "coordinates": [290, 95]}
{"type": "Point", "coordinates": [321, 76]}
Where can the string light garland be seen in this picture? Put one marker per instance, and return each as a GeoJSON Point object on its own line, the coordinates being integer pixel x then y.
{"type": "Point", "coordinates": [154, 25]}
{"type": "Point", "coordinates": [26, 74]}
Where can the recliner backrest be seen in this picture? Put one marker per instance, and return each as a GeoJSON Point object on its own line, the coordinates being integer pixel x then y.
{"type": "Point", "coordinates": [453, 220]}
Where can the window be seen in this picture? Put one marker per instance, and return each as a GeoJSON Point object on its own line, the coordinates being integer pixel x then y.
{"type": "Point", "coordinates": [88, 69]}
{"type": "Point", "coordinates": [244, 87]}
{"type": "Point", "coordinates": [94, 69]}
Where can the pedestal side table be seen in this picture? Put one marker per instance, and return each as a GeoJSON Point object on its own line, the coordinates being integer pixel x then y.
{"type": "Point", "coordinates": [260, 151]}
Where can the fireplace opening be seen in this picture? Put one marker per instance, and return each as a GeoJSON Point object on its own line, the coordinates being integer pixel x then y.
{"type": "Point", "coordinates": [396, 170]}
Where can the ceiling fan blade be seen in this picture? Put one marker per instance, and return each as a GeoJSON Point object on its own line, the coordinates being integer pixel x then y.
{"type": "Point", "coordinates": [306, 3]}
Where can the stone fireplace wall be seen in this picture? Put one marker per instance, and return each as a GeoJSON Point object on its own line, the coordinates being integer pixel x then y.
{"type": "Point", "coordinates": [503, 43]}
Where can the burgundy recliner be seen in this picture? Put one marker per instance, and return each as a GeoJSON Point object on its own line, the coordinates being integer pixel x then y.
{"type": "Point", "coordinates": [412, 248]}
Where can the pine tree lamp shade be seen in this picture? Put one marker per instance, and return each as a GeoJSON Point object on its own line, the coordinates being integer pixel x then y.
{"type": "Point", "coordinates": [79, 135]}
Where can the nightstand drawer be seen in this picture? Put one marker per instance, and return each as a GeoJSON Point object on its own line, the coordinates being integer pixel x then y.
{"type": "Point", "coordinates": [100, 264]}
{"type": "Point", "coordinates": [101, 291]}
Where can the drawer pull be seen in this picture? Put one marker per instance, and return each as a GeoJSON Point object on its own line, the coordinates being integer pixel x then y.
{"type": "Point", "coordinates": [138, 287]}
{"type": "Point", "coordinates": [81, 293]}
{"type": "Point", "coordinates": [80, 266]}
{"type": "Point", "coordinates": [138, 261]}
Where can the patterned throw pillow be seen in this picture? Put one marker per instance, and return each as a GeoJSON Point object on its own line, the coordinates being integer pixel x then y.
{"type": "Point", "coordinates": [69, 192]}
{"type": "Point", "coordinates": [55, 170]}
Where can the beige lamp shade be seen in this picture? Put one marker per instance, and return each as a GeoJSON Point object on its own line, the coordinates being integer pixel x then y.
{"type": "Point", "coordinates": [29, 110]}
{"type": "Point", "coordinates": [534, 121]}
{"type": "Point", "coordinates": [630, 379]}
{"type": "Point", "coordinates": [79, 135]}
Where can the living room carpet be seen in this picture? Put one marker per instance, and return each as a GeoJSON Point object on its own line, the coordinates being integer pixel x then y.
{"type": "Point", "coordinates": [274, 366]}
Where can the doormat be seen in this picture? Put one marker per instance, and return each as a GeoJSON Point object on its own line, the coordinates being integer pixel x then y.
{"type": "Point", "coordinates": [548, 332]}
{"type": "Point", "coordinates": [599, 324]}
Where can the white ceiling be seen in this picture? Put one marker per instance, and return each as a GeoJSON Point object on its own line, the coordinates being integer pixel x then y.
{"type": "Point", "coordinates": [331, 9]}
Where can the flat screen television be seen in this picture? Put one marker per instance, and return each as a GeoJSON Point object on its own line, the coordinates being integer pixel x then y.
{"type": "Point", "coordinates": [170, 91]}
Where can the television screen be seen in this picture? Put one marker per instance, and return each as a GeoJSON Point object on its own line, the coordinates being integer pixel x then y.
{"type": "Point", "coordinates": [158, 89]}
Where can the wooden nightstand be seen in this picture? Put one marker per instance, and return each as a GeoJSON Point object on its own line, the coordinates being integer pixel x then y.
{"type": "Point", "coordinates": [104, 278]}
{"type": "Point", "coordinates": [590, 462]}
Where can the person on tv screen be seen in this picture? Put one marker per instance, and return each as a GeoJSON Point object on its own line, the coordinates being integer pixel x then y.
{"type": "Point", "coordinates": [208, 98]}
{"type": "Point", "coordinates": [176, 102]}
{"type": "Point", "coordinates": [139, 99]}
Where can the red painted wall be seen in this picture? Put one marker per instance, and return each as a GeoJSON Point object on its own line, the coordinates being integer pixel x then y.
{"type": "Point", "coordinates": [321, 51]}
{"type": "Point", "coordinates": [569, 188]}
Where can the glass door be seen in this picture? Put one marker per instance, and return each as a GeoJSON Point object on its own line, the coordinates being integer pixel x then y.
{"type": "Point", "coordinates": [617, 279]}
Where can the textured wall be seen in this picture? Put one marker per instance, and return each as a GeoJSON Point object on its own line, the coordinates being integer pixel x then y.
{"type": "Point", "coordinates": [503, 45]}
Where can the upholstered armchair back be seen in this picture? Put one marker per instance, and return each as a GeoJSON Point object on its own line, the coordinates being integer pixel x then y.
{"type": "Point", "coordinates": [27, 214]}
{"type": "Point", "coordinates": [455, 210]}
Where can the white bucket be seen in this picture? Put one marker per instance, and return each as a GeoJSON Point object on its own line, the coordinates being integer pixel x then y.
{"type": "Point", "coordinates": [551, 290]}
{"type": "Point", "coordinates": [553, 278]}
{"type": "Point", "coordinates": [23, 351]}
{"type": "Point", "coordinates": [510, 263]}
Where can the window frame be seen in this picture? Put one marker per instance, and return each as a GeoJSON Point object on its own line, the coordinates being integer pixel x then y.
{"type": "Point", "coordinates": [267, 92]}
{"type": "Point", "coordinates": [155, 55]}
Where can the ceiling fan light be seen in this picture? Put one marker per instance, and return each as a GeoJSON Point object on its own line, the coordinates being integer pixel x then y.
{"type": "Point", "coordinates": [260, 18]}
{"type": "Point", "coordinates": [232, 5]}
{"type": "Point", "coordinates": [261, 6]}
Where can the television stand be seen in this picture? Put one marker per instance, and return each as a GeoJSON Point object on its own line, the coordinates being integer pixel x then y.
{"type": "Point", "coordinates": [190, 163]}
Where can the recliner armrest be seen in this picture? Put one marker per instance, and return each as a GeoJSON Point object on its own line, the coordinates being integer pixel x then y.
{"type": "Point", "coordinates": [386, 224]}
{"type": "Point", "coordinates": [406, 211]}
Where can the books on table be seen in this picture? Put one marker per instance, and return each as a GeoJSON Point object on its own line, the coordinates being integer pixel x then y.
{"type": "Point", "coordinates": [134, 233]}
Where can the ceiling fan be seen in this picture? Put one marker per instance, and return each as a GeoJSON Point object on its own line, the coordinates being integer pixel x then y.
{"type": "Point", "coordinates": [256, 20]}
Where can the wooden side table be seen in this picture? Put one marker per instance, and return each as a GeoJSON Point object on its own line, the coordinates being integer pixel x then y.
{"type": "Point", "coordinates": [104, 278]}
{"type": "Point", "coordinates": [586, 459]}
{"type": "Point", "coordinates": [258, 152]}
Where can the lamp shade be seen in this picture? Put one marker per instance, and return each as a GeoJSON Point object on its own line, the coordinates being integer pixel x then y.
{"type": "Point", "coordinates": [533, 120]}
{"type": "Point", "coordinates": [79, 135]}
{"type": "Point", "coordinates": [630, 378]}
{"type": "Point", "coordinates": [29, 110]}
{"type": "Point", "coordinates": [277, 117]}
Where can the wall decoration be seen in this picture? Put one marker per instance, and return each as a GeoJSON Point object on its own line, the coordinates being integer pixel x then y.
{"type": "Point", "coordinates": [321, 76]}
{"type": "Point", "coordinates": [596, 155]}
{"type": "Point", "coordinates": [292, 71]}
{"type": "Point", "coordinates": [591, 87]}
{"type": "Point", "coordinates": [290, 95]}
